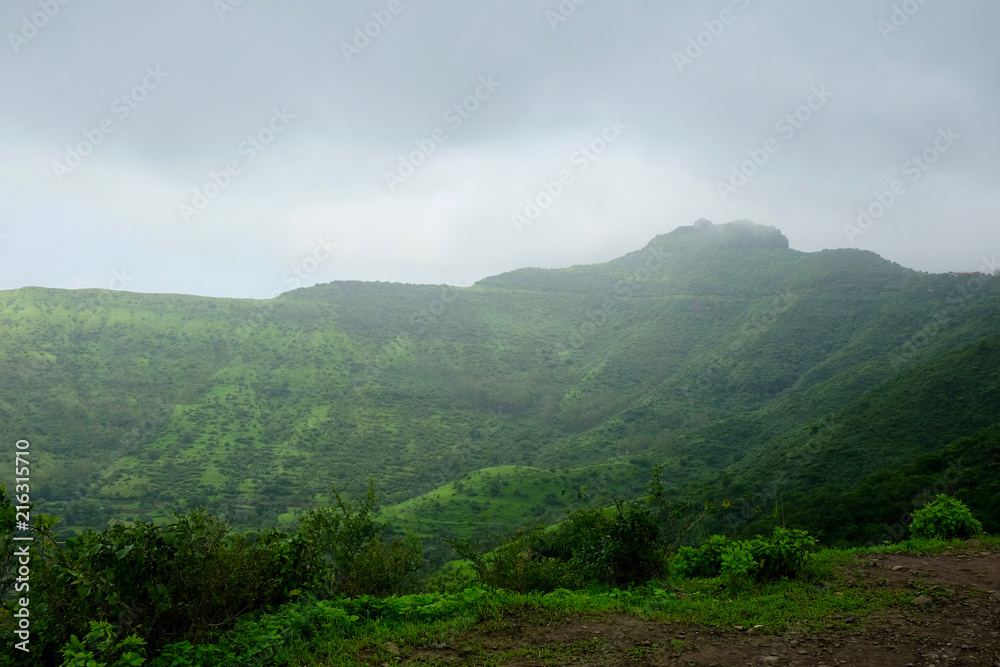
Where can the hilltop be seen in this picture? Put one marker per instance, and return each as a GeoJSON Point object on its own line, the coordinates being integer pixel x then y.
{"type": "Point", "coordinates": [716, 351]}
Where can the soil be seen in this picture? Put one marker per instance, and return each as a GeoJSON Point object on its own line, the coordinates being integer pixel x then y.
{"type": "Point", "coordinates": [954, 619]}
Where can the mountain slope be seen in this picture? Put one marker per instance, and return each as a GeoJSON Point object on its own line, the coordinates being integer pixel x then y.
{"type": "Point", "coordinates": [713, 343]}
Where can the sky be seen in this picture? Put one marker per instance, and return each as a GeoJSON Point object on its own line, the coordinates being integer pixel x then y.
{"type": "Point", "coordinates": [243, 148]}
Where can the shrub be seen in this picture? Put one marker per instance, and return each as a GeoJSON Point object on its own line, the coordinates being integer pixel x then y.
{"type": "Point", "coordinates": [592, 546]}
{"type": "Point", "coordinates": [738, 566]}
{"type": "Point", "coordinates": [782, 555]}
{"type": "Point", "coordinates": [521, 564]}
{"type": "Point", "coordinates": [759, 559]}
{"type": "Point", "coordinates": [622, 548]}
{"type": "Point", "coordinates": [163, 582]}
{"type": "Point", "coordinates": [701, 562]}
{"type": "Point", "coordinates": [189, 580]}
{"type": "Point", "coordinates": [102, 642]}
{"type": "Point", "coordinates": [945, 518]}
{"type": "Point", "coordinates": [185, 654]}
{"type": "Point", "coordinates": [341, 551]}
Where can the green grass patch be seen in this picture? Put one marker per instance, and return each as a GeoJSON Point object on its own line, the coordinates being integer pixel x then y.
{"type": "Point", "coordinates": [369, 630]}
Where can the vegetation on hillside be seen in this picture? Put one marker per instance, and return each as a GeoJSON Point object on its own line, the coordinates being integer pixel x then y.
{"type": "Point", "coordinates": [195, 593]}
{"type": "Point", "coordinates": [879, 507]}
{"type": "Point", "coordinates": [712, 350]}
{"type": "Point", "coordinates": [188, 445]}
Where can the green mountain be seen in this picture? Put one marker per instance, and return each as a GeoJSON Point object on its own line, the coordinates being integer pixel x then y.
{"type": "Point", "coordinates": [716, 351]}
{"type": "Point", "coordinates": [878, 507]}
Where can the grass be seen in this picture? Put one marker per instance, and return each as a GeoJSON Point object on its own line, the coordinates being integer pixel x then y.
{"type": "Point", "coordinates": [828, 594]}
{"type": "Point", "coordinates": [511, 496]}
{"type": "Point", "coordinates": [925, 546]}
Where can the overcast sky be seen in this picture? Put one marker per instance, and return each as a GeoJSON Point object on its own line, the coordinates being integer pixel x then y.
{"type": "Point", "coordinates": [244, 148]}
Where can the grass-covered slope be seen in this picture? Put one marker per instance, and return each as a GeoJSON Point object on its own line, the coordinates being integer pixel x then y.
{"type": "Point", "coordinates": [506, 496]}
{"type": "Point", "coordinates": [918, 411]}
{"type": "Point", "coordinates": [878, 506]}
{"type": "Point", "coordinates": [712, 346]}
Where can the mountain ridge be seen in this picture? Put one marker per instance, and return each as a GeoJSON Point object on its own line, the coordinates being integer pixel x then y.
{"type": "Point", "coordinates": [707, 344]}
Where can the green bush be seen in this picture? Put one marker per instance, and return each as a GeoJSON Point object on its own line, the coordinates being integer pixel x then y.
{"type": "Point", "coordinates": [782, 555]}
{"type": "Point", "coordinates": [163, 582]}
{"type": "Point", "coordinates": [700, 562]}
{"type": "Point", "coordinates": [738, 566]}
{"type": "Point", "coordinates": [591, 546]}
{"type": "Point", "coordinates": [945, 518]}
{"type": "Point", "coordinates": [759, 559]}
{"type": "Point", "coordinates": [611, 548]}
{"type": "Point", "coordinates": [521, 564]}
{"type": "Point", "coordinates": [185, 654]}
{"type": "Point", "coordinates": [277, 637]}
{"type": "Point", "coordinates": [102, 643]}
{"type": "Point", "coordinates": [341, 551]}
{"type": "Point", "coordinates": [628, 550]}
{"type": "Point", "coordinates": [191, 579]}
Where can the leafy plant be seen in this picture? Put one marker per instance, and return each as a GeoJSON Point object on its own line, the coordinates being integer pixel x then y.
{"type": "Point", "coordinates": [521, 564]}
{"type": "Point", "coordinates": [703, 562]}
{"type": "Point", "coordinates": [781, 555]}
{"type": "Point", "coordinates": [738, 566]}
{"type": "Point", "coordinates": [760, 559]}
{"type": "Point", "coordinates": [618, 549]}
{"type": "Point", "coordinates": [101, 648]}
{"type": "Point", "coordinates": [945, 518]}
{"type": "Point", "coordinates": [186, 654]}
{"type": "Point", "coordinates": [165, 582]}
{"type": "Point", "coordinates": [341, 550]}
{"type": "Point", "coordinates": [614, 546]}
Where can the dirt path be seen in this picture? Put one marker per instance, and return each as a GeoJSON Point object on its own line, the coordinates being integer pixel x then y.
{"type": "Point", "coordinates": [962, 628]}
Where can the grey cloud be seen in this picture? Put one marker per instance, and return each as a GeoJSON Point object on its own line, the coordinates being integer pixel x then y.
{"type": "Point", "coordinates": [561, 79]}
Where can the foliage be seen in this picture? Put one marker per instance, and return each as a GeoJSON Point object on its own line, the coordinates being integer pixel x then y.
{"type": "Point", "coordinates": [163, 582]}
{"type": "Point", "coordinates": [263, 638]}
{"type": "Point", "coordinates": [900, 424]}
{"type": "Point", "coordinates": [185, 582]}
{"type": "Point", "coordinates": [521, 564]}
{"type": "Point", "coordinates": [101, 648]}
{"type": "Point", "coordinates": [702, 562]}
{"type": "Point", "coordinates": [878, 507]}
{"type": "Point", "coordinates": [270, 636]}
{"type": "Point", "coordinates": [782, 555]}
{"type": "Point", "coordinates": [945, 518]}
{"type": "Point", "coordinates": [615, 548]}
{"type": "Point", "coordinates": [713, 346]}
{"type": "Point", "coordinates": [484, 505]}
{"type": "Point", "coordinates": [342, 550]}
{"type": "Point", "coordinates": [738, 566]}
{"type": "Point", "coordinates": [356, 631]}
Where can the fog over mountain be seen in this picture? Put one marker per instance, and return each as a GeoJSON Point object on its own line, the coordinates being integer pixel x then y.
{"type": "Point", "coordinates": [243, 149]}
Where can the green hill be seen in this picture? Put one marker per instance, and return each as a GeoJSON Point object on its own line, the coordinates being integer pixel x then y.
{"type": "Point", "coordinates": [877, 507]}
{"type": "Point", "coordinates": [506, 496]}
{"type": "Point", "coordinates": [713, 349]}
